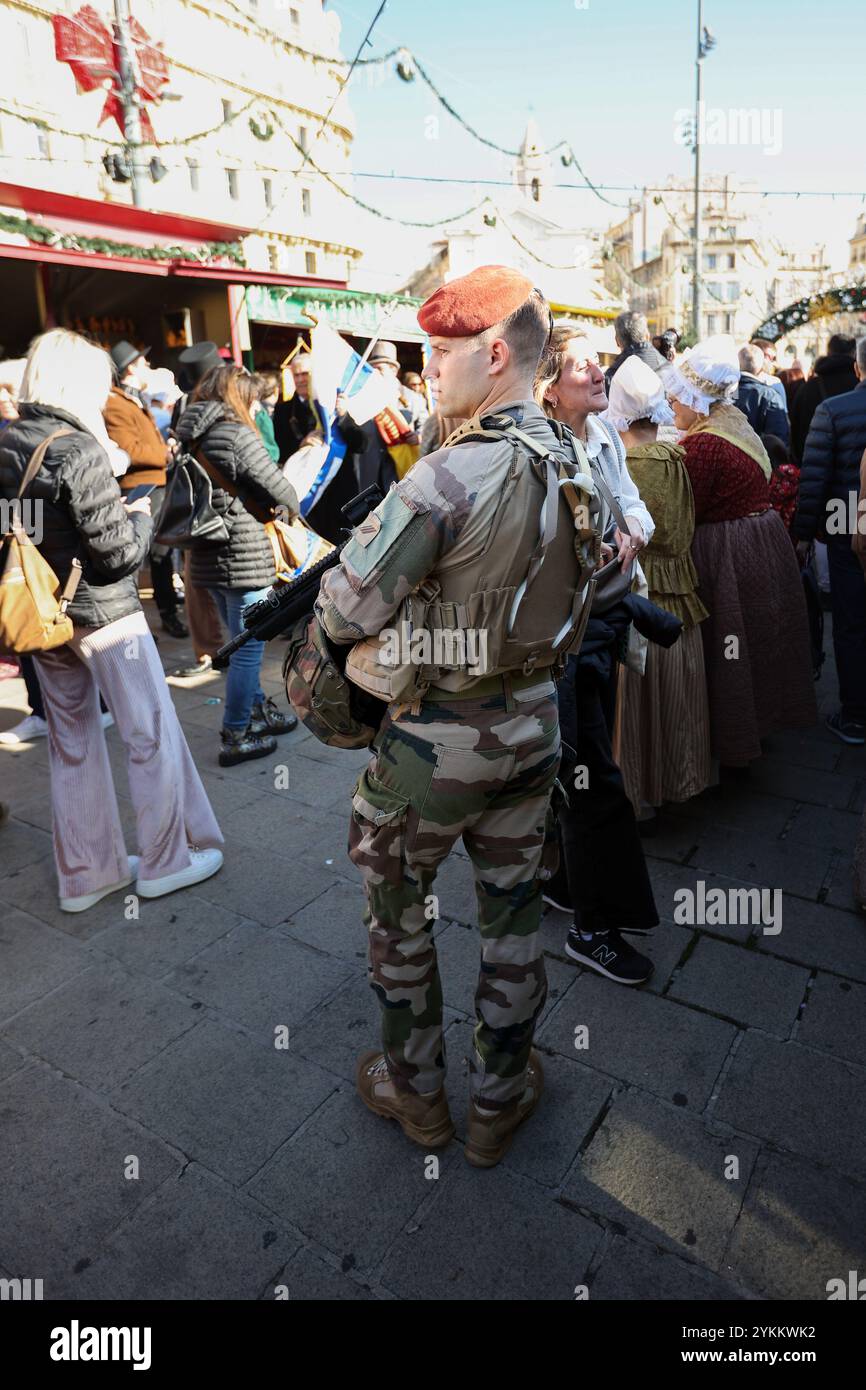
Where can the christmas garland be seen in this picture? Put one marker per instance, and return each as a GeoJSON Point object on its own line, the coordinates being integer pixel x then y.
{"type": "Point", "coordinates": [264, 131]}
{"type": "Point", "coordinates": [67, 241]}
{"type": "Point", "coordinates": [824, 304]}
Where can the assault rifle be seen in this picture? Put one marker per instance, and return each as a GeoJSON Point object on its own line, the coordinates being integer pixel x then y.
{"type": "Point", "coordinates": [289, 600]}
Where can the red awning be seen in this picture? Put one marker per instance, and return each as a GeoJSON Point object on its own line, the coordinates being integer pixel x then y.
{"type": "Point", "coordinates": [120, 222]}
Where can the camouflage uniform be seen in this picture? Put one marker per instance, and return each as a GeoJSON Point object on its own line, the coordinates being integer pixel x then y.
{"type": "Point", "coordinates": [476, 757]}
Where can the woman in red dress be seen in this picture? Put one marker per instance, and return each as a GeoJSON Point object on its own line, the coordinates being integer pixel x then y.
{"type": "Point", "coordinates": [756, 639]}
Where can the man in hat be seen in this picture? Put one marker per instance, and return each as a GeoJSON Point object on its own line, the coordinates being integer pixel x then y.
{"type": "Point", "coordinates": [132, 428]}
{"type": "Point", "coordinates": [480, 530]}
{"type": "Point", "coordinates": [383, 358]}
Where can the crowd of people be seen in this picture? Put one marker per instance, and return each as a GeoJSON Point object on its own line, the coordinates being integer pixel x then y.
{"type": "Point", "coordinates": [716, 477]}
{"type": "Point", "coordinates": [697, 447]}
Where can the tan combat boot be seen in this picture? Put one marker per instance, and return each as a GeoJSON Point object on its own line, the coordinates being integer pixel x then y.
{"type": "Point", "coordinates": [489, 1135]}
{"type": "Point", "coordinates": [424, 1119]}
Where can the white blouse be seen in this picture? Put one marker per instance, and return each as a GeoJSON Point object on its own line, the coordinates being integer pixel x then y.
{"type": "Point", "coordinates": [605, 448]}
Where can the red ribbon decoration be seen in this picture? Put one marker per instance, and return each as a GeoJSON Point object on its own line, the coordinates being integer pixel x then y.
{"type": "Point", "coordinates": [85, 42]}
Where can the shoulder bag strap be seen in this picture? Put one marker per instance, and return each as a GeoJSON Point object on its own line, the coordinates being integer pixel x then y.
{"type": "Point", "coordinates": [36, 459]}
{"type": "Point", "coordinates": [221, 481]}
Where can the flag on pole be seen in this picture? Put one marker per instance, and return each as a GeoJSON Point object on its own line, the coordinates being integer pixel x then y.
{"type": "Point", "coordinates": [337, 370]}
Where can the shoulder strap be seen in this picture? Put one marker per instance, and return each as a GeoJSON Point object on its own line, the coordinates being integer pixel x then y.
{"type": "Point", "coordinates": [222, 481]}
{"type": "Point", "coordinates": [36, 459]}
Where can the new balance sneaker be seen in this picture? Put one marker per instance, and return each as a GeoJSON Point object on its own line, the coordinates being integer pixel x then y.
{"type": "Point", "coordinates": [265, 718]}
{"type": "Point", "coordinates": [849, 730]}
{"type": "Point", "coordinates": [25, 731]}
{"type": "Point", "coordinates": [609, 955]}
{"type": "Point", "coordinates": [424, 1119]}
{"type": "Point", "coordinates": [240, 746]}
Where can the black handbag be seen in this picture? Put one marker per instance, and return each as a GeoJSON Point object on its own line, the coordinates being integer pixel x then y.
{"type": "Point", "coordinates": [187, 517]}
{"type": "Point", "coordinates": [612, 582]}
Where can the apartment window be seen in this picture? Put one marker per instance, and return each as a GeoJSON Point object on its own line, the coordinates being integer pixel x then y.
{"type": "Point", "coordinates": [710, 262]}
{"type": "Point", "coordinates": [43, 141]}
{"type": "Point", "coordinates": [711, 323]}
{"type": "Point", "coordinates": [268, 190]}
{"type": "Point", "coordinates": [729, 323]}
{"type": "Point", "coordinates": [227, 111]}
{"type": "Point", "coordinates": [310, 259]}
{"type": "Point", "coordinates": [733, 289]}
{"type": "Point", "coordinates": [302, 138]}
{"type": "Point", "coordinates": [732, 261]}
{"type": "Point", "coordinates": [294, 16]}
{"type": "Point", "coordinates": [306, 202]}
{"type": "Point", "coordinates": [273, 257]}
{"type": "Point", "coordinates": [194, 172]}
{"type": "Point", "coordinates": [232, 178]}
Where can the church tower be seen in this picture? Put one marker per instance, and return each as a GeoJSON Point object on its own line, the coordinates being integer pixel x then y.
{"type": "Point", "coordinates": [532, 166]}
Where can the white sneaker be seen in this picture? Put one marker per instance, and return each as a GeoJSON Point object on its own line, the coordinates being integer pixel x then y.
{"type": "Point", "coordinates": [107, 719]}
{"type": "Point", "coordinates": [29, 728]}
{"type": "Point", "coordinates": [89, 899]}
{"type": "Point", "coordinates": [203, 864]}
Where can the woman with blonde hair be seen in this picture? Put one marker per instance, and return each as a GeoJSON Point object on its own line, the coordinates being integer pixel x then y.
{"type": "Point", "coordinates": [603, 882]}
{"type": "Point", "coordinates": [65, 386]}
{"type": "Point", "coordinates": [756, 638]}
{"type": "Point", "coordinates": [665, 738]}
{"type": "Point", "coordinates": [219, 428]}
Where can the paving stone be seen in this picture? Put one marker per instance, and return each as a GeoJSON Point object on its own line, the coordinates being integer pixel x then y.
{"type": "Point", "coordinates": [654, 1043]}
{"type": "Point", "coordinates": [545, 1146]}
{"type": "Point", "coordinates": [839, 885]}
{"type": "Point", "coordinates": [834, 1018]}
{"type": "Point", "coordinates": [63, 1154]}
{"type": "Point", "coordinates": [655, 1170]}
{"type": "Point", "coordinates": [169, 930]}
{"type": "Point", "coordinates": [742, 985]}
{"type": "Point", "coordinates": [794, 868]}
{"type": "Point", "coordinates": [460, 1247]}
{"type": "Point", "coordinates": [261, 979]}
{"type": "Point", "coordinates": [815, 748]}
{"type": "Point", "coordinates": [826, 828]}
{"type": "Point", "coordinates": [308, 1279]}
{"type": "Point", "coordinates": [337, 1032]}
{"type": "Point", "coordinates": [223, 1099]}
{"type": "Point", "coordinates": [270, 888]}
{"type": "Point", "coordinates": [668, 883]}
{"type": "Point", "coordinates": [674, 839]}
{"type": "Point", "coordinates": [10, 1060]}
{"type": "Point", "coordinates": [22, 845]}
{"type": "Point", "coordinates": [101, 1026]}
{"type": "Point", "coordinates": [197, 1239]}
{"type": "Point", "coordinates": [458, 950]}
{"type": "Point", "coordinates": [635, 1272]}
{"type": "Point", "coordinates": [317, 784]}
{"type": "Point", "coordinates": [33, 960]}
{"type": "Point", "coordinates": [329, 1181]}
{"type": "Point", "coordinates": [800, 1227]}
{"type": "Point", "coordinates": [736, 806]}
{"type": "Point", "coordinates": [818, 935]}
{"type": "Point", "coordinates": [333, 923]}
{"type": "Point", "coordinates": [34, 890]}
{"type": "Point", "coordinates": [801, 1100]}
{"type": "Point", "coordinates": [780, 778]}
{"type": "Point", "coordinates": [665, 949]}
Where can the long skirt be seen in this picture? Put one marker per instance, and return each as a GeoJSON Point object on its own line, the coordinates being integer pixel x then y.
{"type": "Point", "coordinates": [665, 728]}
{"type": "Point", "coordinates": [756, 639]}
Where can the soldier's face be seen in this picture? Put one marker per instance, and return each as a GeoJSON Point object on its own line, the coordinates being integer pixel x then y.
{"type": "Point", "coordinates": [458, 371]}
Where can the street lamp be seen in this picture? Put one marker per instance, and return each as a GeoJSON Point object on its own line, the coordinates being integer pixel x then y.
{"type": "Point", "coordinates": [706, 43]}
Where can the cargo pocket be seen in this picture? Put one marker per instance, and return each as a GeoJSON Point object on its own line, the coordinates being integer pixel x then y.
{"type": "Point", "coordinates": [377, 834]}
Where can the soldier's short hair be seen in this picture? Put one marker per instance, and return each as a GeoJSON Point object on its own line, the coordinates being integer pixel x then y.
{"type": "Point", "coordinates": [526, 331]}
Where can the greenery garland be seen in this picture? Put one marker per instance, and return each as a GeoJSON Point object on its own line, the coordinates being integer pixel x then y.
{"type": "Point", "coordinates": [264, 131]}
{"type": "Point", "coordinates": [67, 241]}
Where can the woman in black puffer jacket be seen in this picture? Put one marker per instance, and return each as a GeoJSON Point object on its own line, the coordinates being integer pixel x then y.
{"type": "Point", "coordinates": [218, 424]}
{"type": "Point", "coordinates": [79, 513]}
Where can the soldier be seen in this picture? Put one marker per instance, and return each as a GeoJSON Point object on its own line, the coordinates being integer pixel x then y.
{"type": "Point", "coordinates": [496, 544]}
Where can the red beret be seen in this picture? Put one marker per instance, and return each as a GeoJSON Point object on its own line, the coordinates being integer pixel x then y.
{"type": "Point", "coordinates": [476, 301]}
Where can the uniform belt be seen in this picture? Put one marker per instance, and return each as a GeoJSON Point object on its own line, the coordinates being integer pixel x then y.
{"type": "Point", "coordinates": [508, 682]}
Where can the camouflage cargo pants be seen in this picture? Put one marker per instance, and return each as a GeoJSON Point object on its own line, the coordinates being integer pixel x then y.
{"type": "Point", "coordinates": [483, 770]}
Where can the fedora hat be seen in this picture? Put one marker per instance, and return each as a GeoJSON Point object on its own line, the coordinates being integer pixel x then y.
{"type": "Point", "coordinates": [383, 352]}
{"type": "Point", "coordinates": [123, 353]}
{"type": "Point", "coordinates": [195, 362]}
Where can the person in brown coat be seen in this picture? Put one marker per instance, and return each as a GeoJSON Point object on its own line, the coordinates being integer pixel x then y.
{"type": "Point", "coordinates": [132, 427]}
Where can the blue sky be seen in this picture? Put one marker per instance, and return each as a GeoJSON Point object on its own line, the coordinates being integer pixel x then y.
{"type": "Point", "coordinates": [610, 78]}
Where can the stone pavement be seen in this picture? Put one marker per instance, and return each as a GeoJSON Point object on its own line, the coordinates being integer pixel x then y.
{"type": "Point", "coordinates": [157, 1141]}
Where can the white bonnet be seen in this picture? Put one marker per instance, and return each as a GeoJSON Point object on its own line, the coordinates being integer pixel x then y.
{"type": "Point", "coordinates": [637, 393]}
{"type": "Point", "coordinates": [708, 373]}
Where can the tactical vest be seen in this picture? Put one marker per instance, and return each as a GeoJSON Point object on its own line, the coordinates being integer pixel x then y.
{"type": "Point", "coordinates": [514, 591]}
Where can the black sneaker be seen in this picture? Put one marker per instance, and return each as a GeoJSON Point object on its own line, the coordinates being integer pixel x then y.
{"type": "Point", "coordinates": [610, 956]}
{"type": "Point", "coordinates": [241, 745]}
{"type": "Point", "coordinates": [267, 719]}
{"type": "Point", "coordinates": [849, 730]}
{"type": "Point", "coordinates": [172, 624]}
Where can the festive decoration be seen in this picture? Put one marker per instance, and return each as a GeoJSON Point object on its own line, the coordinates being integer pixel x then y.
{"type": "Point", "coordinates": [67, 241]}
{"type": "Point", "coordinates": [848, 300]}
{"type": "Point", "coordinates": [264, 131]}
{"type": "Point", "coordinates": [84, 42]}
